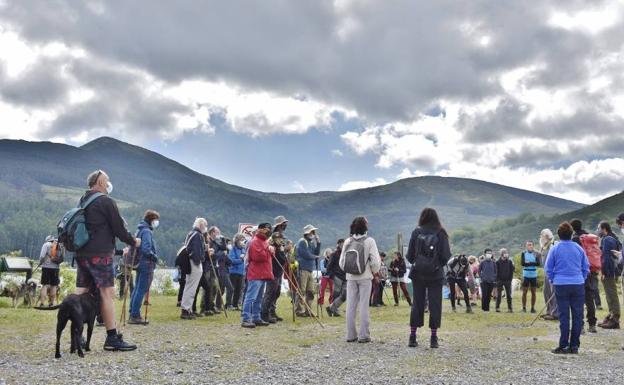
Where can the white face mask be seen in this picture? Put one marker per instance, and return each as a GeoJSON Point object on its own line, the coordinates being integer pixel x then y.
{"type": "Point", "coordinates": [622, 230]}
{"type": "Point", "coordinates": [229, 247]}
{"type": "Point", "coordinates": [488, 255]}
{"type": "Point", "coordinates": [155, 223]}
{"type": "Point", "coordinates": [109, 188]}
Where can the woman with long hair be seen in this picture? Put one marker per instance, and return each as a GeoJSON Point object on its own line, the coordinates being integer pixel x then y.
{"type": "Point", "coordinates": [428, 252]}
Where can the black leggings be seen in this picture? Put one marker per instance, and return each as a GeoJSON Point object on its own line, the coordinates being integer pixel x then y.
{"type": "Point", "coordinates": [426, 290]}
{"type": "Point", "coordinates": [486, 295]}
{"type": "Point", "coordinates": [499, 293]}
{"type": "Point", "coordinates": [461, 282]}
{"type": "Point", "coordinates": [237, 288]}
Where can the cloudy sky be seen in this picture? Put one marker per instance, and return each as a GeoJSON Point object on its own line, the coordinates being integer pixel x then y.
{"type": "Point", "coordinates": [324, 95]}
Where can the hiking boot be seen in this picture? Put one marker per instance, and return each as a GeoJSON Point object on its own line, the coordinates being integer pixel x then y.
{"type": "Point", "coordinates": [611, 324]}
{"type": "Point", "coordinates": [592, 329]}
{"type": "Point", "coordinates": [185, 314]}
{"type": "Point", "coordinates": [469, 310]}
{"type": "Point", "coordinates": [533, 311]}
{"type": "Point", "coordinates": [604, 321]}
{"type": "Point", "coordinates": [261, 323]}
{"type": "Point", "coordinates": [137, 321]}
{"type": "Point", "coordinates": [116, 343]}
{"type": "Point", "coordinates": [248, 324]}
{"type": "Point", "coordinates": [560, 350]}
{"type": "Point", "coordinates": [497, 310]}
{"type": "Point", "coordinates": [271, 320]}
{"type": "Point", "coordinates": [434, 343]}
{"type": "Point", "coordinates": [412, 341]}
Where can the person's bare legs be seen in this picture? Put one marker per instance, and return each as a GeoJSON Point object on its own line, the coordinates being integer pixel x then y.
{"type": "Point", "coordinates": [524, 297]}
{"type": "Point", "coordinates": [533, 297]}
{"type": "Point", "coordinates": [43, 294]}
{"type": "Point", "coordinates": [107, 306]}
{"type": "Point", "coordinates": [52, 294]}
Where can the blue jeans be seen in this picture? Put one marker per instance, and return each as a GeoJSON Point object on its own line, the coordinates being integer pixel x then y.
{"type": "Point", "coordinates": [253, 301]}
{"type": "Point", "coordinates": [144, 275]}
{"type": "Point", "coordinates": [570, 299]}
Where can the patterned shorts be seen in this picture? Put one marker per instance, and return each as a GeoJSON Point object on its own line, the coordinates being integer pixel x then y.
{"type": "Point", "coordinates": [95, 272]}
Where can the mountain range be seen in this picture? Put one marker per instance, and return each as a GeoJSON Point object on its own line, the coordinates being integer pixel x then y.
{"type": "Point", "coordinates": [39, 181]}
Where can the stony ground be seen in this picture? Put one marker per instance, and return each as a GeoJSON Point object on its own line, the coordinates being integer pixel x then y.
{"type": "Point", "coordinates": [475, 349]}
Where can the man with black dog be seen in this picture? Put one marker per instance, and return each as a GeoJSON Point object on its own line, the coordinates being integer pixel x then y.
{"type": "Point", "coordinates": [95, 259]}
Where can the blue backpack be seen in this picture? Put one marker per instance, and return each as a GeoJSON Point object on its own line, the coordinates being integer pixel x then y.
{"type": "Point", "coordinates": [72, 229]}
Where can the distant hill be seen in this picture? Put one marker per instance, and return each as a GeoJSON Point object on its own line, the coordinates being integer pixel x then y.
{"type": "Point", "coordinates": [512, 233]}
{"type": "Point", "coordinates": [39, 181]}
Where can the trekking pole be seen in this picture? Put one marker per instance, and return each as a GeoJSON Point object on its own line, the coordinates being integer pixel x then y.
{"type": "Point", "coordinates": [318, 285]}
{"type": "Point", "coordinates": [544, 308]}
{"type": "Point", "coordinates": [219, 288]}
{"type": "Point", "coordinates": [302, 298]}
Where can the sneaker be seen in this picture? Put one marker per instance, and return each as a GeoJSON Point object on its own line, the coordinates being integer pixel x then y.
{"type": "Point", "coordinates": [573, 351]}
{"type": "Point", "coordinates": [549, 317]}
{"type": "Point", "coordinates": [185, 314]}
{"type": "Point", "coordinates": [412, 342]}
{"type": "Point", "coordinates": [137, 321]}
{"type": "Point", "coordinates": [560, 350]}
{"type": "Point", "coordinates": [497, 310]}
{"type": "Point", "coordinates": [533, 311]}
{"type": "Point", "coordinates": [248, 324]}
{"type": "Point", "coordinates": [364, 340]}
{"type": "Point", "coordinates": [524, 309]}
{"type": "Point", "coordinates": [352, 340]}
{"type": "Point", "coordinates": [469, 310]}
{"type": "Point", "coordinates": [592, 329]}
{"type": "Point", "coordinates": [434, 343]}
{"type": "Point", "coordinates": [116, 343]}
{"type": "Point", "coordinates": [261, 323]}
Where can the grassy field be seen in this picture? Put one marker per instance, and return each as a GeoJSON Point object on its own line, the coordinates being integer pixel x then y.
{"type": "Point", "coordinates": [475, 348]}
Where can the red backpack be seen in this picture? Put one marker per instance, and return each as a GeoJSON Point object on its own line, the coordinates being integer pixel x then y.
{"type": "Point", "coordinates": [591, 246]}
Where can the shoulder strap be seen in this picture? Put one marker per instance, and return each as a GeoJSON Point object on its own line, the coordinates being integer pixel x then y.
{"type": "Point", "coordinates": [91, 199]}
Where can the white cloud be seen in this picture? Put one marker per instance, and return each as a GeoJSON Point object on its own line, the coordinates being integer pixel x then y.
{"type": "Point", "coordinates": [337, 153]}
{"type": "Point", "coordinates": [298, 186]}
{"type": "Point", "coordinates": [360, 184]}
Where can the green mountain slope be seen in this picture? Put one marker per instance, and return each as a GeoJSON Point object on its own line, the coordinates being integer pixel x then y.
{"type": "Point", "coordinates": [513, 233]}
{"type": "Point", "coordinates": [40, 181]}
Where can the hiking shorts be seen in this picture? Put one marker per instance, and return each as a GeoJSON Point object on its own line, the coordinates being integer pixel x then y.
{"type": "Point", "coordinates": [50, 277]}
{"type": "Point", "coordinates": [529, 282]}
{"type": "Point", "coordinates": [95, 272]}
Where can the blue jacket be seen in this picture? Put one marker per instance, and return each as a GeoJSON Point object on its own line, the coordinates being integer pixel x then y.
{"type": "Point", "coordinates": [238, 265]}
{"type": "Point", "coordinates": [487, 270]}
{"type": "Point", "coordinates": [307, 254]}
{"type": "Point", "coordinates": [567, 264]}
{"type": "Point", "coordinates": [607, 244]}
{"type": "Point", "coordinates": [148, 245]}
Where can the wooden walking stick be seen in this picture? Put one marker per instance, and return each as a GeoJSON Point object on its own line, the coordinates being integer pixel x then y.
{"type": "Point", "coordinates": [219, 288]}
{"type": "Point", "coordinates": [544, 308]}
{"type": "Point", "coordinates": [302, 298]}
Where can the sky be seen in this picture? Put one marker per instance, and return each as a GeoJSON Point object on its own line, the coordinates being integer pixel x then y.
{"type": "Point", "coordinates": [330, 95]}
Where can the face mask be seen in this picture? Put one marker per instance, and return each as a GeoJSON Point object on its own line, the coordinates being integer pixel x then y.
{"type": "Point", "coordinates": [109, 188]}
{"type": "Point", "coordinates": [622, 230]}
{"type": "Point", "coordinates": [155, 223]}
{"type": "Point", "coordinates": [229, 247]}
{"type": "Point", "coordinates": [488, 255]}
{"type": "Point", "coordinates": [505, 256]}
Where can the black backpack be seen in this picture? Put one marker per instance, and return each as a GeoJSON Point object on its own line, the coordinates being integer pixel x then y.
{"type": "Point", "coordinates": [426, 261]}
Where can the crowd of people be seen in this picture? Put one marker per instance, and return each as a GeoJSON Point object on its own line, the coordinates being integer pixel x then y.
{"type": "Point", "coordinates": [246, 275]}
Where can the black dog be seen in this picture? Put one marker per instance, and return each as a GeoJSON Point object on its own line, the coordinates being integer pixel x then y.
{"type": "Point", "coordinates": [80, 309]}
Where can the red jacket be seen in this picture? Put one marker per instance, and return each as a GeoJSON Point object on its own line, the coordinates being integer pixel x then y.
{"type": "Point", "coordinates": [259, 257]}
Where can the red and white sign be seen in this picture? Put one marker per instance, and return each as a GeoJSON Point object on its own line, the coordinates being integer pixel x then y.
{"type": "Point", "coordinates": [247, 229]}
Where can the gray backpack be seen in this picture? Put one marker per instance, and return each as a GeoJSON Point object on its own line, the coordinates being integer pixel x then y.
{"type": "Point", "coordinates": [355, 259]}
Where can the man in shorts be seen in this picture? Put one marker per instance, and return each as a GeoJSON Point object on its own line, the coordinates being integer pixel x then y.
{"type": "Point", "coordinates": [95, 259]}
{"type": "Point", "coordinates": [530, 261]}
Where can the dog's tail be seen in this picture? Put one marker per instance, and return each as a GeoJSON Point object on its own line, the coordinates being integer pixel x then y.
{"type": "Point", "coordinates": [47, 307]}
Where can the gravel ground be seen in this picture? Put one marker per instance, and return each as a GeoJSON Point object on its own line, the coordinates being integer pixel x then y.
{"type": "Point", "coordinates": [475, 349]}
